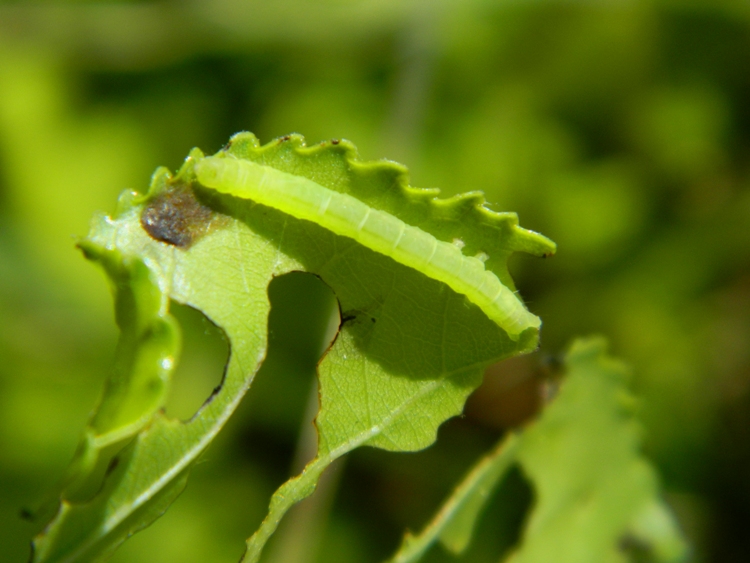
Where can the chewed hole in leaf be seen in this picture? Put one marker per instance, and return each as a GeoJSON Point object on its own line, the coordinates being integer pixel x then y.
{"type": "Point", "coordinates": [303, 322]}
{"type": "Point", "coordinates": [176, 217]}
{"type": "Point", "coordinates": [200, 367]}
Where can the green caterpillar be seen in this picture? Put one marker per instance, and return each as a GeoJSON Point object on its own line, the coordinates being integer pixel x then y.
{"type": "Point", "coordinates": [377, 230]}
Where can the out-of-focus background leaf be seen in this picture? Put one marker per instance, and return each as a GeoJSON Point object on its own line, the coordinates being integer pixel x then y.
{"type": "Point", "coordinates": [619, 129]}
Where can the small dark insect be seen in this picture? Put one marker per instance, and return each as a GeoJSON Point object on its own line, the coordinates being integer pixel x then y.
{"type": "Point", "coordinates": [176, 217]}
{"type": "Point", "coordinates": [335, 141]}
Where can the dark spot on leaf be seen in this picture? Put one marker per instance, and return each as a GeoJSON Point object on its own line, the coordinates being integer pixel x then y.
{"type": "Point", "coordinates": [335, 141]}
{"type": "Point", "coordinates": [284, 138]}
{"type": "Point", "coordinates": [176, 217]}
{"type": "Point", "coordinates": [356, 317]}
{"type": "Point", "coordinates": [113, 463]}
{"type": "Point", "coordinates": [636, 547]}
{"type": "Point", "coordinates": [26, 514]}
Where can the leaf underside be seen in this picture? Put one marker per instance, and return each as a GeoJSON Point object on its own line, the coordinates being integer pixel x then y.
{"type": "Point", "coordinates": [596, 495]}
{"type": "Point", "coordinates": [407, 354]}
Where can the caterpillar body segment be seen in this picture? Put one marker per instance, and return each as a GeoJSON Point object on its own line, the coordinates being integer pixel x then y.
{"type": "Point", "coordinates": [375, 229]}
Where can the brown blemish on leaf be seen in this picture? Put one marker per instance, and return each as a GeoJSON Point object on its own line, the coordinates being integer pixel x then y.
{"type": "Point", "coordinates": [176, 217]}
{"type": "Point", "coordinates": [335, 141]}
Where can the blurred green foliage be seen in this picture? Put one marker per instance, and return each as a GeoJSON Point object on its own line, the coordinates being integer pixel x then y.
{"type": "Point", "coordinates": [619, 129]}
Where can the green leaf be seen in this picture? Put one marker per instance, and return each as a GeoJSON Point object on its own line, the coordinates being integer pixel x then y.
{"type": "Point", "coordinates": [408, 352]}
{"type": "Point", "coordinates": [597, 496]}
{"type": "Point", "coordinates": [594, 489]}
{"type": "Point", "coordinates": [144, 360]}
{"type": "Point", "coordinates": [454, 524]}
